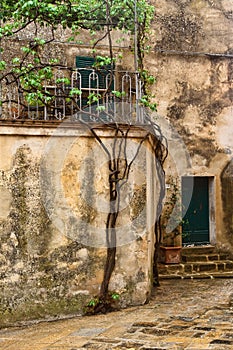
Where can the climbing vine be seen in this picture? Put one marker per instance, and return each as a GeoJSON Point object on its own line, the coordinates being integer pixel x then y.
{"type": "Point", "coordinates": [29, 70]}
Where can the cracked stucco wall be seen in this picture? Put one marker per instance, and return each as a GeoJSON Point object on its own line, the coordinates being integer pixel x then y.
{"type": "Point", "coordinates": [53, 210]}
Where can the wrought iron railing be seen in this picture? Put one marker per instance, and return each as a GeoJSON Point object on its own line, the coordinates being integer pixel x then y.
{"type": "Point", "coordinates": [86, 95]}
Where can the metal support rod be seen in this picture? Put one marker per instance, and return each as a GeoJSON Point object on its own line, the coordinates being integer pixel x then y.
{"type": "Point", "coordinates": [135, 36]}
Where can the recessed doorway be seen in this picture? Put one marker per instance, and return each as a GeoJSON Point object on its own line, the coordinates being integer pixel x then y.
{"type": "Point", "coordinates": [196, 206]}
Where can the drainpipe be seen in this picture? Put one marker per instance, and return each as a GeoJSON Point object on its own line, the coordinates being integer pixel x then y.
{"type": "Point", "coordinates": [135, 36]}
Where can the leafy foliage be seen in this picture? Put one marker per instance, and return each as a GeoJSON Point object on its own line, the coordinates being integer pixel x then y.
{"type": "Point", "coordinates": [29, 69]}
{"type": "Point", "coordinates": [88, 14]}
{"type": "Point", "coordinates": [97, 304]}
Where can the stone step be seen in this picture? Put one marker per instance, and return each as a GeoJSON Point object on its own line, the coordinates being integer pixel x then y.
{"type": "Point", "coordinates": [199, 250]}
{"type": "Point", "coordinates": [200, 275]}
{"type": "Point", "coordinates": [196, 268]}
{"type": "Point", "coordinates": [203, 257]}
{"type": "Point", "coordinates": [209, 266]}
{"type": "Point", "coordinates": [198, 262]}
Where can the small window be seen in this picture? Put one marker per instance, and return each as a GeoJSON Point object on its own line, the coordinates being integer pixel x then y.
{"type": "Point", "coordinates": [94, 78]}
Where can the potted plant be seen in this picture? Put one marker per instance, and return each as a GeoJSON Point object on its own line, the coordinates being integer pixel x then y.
{"type": "Point", "coordinates": [170, 253]}
{"type": "Point", "coordinates": [171, 246]}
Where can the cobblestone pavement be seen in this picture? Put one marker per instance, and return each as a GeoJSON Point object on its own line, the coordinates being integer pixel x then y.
{"type": "Point", "coordinates": [183, 314]}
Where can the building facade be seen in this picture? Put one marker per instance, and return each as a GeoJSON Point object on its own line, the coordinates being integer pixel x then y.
{"type": "Point", "coordinates": [53, 175]}
{"type": "Point", "coordinates": [191, 57]}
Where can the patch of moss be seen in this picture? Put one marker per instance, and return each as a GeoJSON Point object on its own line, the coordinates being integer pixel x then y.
{"type": "Point", "coordinates": [138, 202]}
{"type": "Point", "coordinates": [37, 310]}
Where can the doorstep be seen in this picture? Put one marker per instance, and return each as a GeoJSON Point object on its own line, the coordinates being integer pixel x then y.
{"type": "Point", "coordinates": [198, 262]}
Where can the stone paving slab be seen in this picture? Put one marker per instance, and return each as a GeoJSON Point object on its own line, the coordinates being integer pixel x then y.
{"type": "Point", "coordinates": [197, 275]}
{"type": "Point", "coordinates": [182, 314]}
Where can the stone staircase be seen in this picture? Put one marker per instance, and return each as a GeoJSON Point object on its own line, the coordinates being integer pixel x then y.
{"type": "Point", "coordinates": [199, 262]}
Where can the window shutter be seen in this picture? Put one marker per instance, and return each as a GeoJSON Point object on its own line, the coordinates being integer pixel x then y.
{"type": "Point", "coordinates": [85, 62]}
{"type": "Point", "coordinates": [88, 62]}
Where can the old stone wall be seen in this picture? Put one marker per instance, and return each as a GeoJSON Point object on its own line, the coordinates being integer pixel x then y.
{"type": "Point", "coordinates": [191, 57]}
{"type": "Point", "coordinates": [53, 210]}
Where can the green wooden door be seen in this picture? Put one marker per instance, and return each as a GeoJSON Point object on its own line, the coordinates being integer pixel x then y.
{"type": "Point", "coordinates": [195, 204]}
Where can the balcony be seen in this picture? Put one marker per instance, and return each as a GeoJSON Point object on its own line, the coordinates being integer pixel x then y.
{"type": "Point", "coordinates": [84, 95]}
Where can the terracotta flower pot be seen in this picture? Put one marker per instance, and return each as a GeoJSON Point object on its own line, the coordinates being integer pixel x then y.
{"type": "Point", "coordinates": [170, 255]}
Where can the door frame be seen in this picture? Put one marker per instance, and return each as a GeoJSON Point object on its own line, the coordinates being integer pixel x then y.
{"type": "Point", "coordinates": [212, 209]}
{"type": "Point", "coordinates": [212, 205]}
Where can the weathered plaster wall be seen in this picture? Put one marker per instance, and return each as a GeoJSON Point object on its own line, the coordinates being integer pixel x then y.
{"type": "Point", "coordinates": [64, 49]}
{"type": "Point", "coordinates": [53, 210]}
{"type": "Point", "coordinates": [194, 25]}
{"type": "Point", "coordinates": [192, 59]}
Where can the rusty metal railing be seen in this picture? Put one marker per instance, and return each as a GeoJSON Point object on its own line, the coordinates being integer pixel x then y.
{"type": "Point", "coordinates": [86, 95]}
